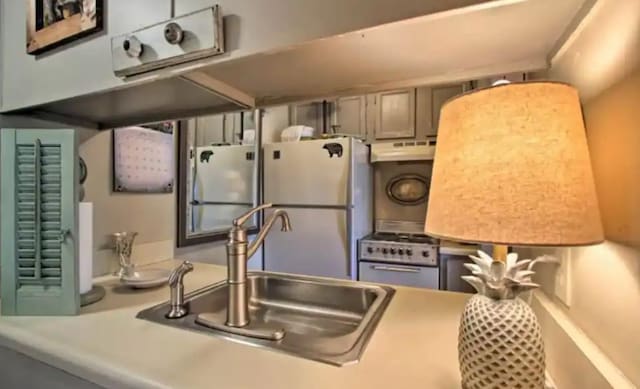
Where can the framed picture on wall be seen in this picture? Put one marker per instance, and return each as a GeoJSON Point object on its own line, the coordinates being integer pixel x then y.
{"type": "Point", "coordinates": [52, 23]}
{"type": "Point", "coordinates": [143, 159]}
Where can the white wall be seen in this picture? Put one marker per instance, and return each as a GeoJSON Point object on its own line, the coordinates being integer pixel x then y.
{"type": "Point", "coordinates": [603, 61]}
{"type": "Point", "coordinates": [149, 214]}
{"type": "Point", "coordinates": [74, 69]}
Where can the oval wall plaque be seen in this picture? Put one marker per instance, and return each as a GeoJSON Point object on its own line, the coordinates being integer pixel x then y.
{"type": "Point", "coordinates": [408, 189]}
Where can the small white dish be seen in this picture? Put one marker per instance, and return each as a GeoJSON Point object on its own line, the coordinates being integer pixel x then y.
{"type": "Point", "coordinates": [147, 278]}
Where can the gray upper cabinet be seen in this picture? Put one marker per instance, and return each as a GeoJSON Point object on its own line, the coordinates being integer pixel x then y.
{"type": "Point", "coordinates": [429, 102]}
{"type": "Point", "coordinates": [348, 116]}
{"type": "Point", "coordinates": [218, 129]}
{"type": "Point", "coordinates": [411, 113]}
{"type": "Point", "coordinates": [395, 114]}
{"type": "Point", "coordinates": [308, 114]}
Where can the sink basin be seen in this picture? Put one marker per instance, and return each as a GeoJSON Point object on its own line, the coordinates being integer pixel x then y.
{"type": "Point", "coordinates": [324, 320]}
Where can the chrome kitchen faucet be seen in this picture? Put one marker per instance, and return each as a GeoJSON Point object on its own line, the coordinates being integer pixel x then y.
{"type": "Point", "coordinates": [238, 253]}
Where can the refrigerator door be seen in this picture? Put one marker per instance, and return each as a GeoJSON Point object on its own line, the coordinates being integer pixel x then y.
{"type": "Point", "coordinates": [207, 217]}
{"type": "Point", "coordinates": [314, 172]}
{"type": "Point", "coordinates": [318, 245]}
{"type": "Point", "coordinates": [225, 174]}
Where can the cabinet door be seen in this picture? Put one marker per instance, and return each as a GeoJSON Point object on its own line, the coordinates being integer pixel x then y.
{"type": "Point", "coordinates": [39, 212]}
{"type": "Point", "coordinates": [232, 128]}
{"type": "Point", "coordinates": [439, 96]}
{"type": "Point", "coordinates": [210, 130]}
{"type": "Point", "coordinates": [349, 116]}
{"type": "Point", "coordinates": [218, 129]}
{"type": "Point", "coordinates": [308, 114]}
{"type": "Point", "coordinates": [395, 114]}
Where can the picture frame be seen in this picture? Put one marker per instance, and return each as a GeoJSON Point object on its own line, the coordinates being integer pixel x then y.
{"type": "Point", "coordinates": [143, 159]}
{"type": "Point", "coordinates": [53, 23]}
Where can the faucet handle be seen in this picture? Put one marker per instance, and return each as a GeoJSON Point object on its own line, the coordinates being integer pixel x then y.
{"type": "Point", "coordinates": [242, 219]}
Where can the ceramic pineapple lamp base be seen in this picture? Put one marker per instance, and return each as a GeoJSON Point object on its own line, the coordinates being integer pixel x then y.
{"type": "Point", "coordinates": [500, 343]}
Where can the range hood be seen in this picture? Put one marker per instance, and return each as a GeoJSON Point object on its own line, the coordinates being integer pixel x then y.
{"type": "Point", "coordinates": [421, 150]}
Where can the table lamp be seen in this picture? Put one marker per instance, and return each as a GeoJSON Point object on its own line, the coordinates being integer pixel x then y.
{"type": "Point", "coordinates": [511, 168]}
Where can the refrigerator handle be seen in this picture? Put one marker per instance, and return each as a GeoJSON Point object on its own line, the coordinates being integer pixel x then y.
{"type": "Point", "coordinates": [352, 261]}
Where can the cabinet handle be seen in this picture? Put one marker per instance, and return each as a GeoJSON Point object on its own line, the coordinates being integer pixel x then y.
{"type": "Point", "coordinates": [396, 269]}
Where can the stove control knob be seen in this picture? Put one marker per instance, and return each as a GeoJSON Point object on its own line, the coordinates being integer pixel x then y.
{"type": "Point", "coordinates": [400, 252]}
{"type": "Point", "coordinates": [385, 251]}
{"type": "Point", "coordinates": [370, 250]}
{"type": "Point", "coordinates": [392, 251]}
{"type": "Point", "coordinates": [426, 254]}
{"type": "Point", "coordinates": [409, 252]}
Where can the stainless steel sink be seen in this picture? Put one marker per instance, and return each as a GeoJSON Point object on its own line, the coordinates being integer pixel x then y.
{"type": "Point", "coordinates": [329, 321]}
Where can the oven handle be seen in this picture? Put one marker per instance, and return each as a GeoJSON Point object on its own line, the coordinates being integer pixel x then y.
{"type": "Point", "coordinates": [396, 269]}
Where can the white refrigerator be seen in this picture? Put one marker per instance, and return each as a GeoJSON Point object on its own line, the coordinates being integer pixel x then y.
{"type": "Point", "coordinates": [223, 185]}
{"type": "Point", "coordinates": [326, 188]}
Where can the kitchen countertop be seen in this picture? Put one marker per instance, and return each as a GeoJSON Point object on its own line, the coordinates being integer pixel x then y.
{"type": "Point", "coordinates": [414, 345]}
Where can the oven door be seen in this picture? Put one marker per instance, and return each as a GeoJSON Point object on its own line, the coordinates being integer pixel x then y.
{"type": "Point", "coordinates": [395, 274]}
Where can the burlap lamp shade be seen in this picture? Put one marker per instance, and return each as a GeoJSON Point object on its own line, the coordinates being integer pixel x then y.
{"type": "Point", "coordinates": [512, 168]}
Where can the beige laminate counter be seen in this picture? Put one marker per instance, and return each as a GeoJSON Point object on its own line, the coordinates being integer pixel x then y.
{"type": "Point", "coordinates": [414, 346]}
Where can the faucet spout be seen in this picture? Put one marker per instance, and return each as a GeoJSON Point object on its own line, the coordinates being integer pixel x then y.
{"type": "Point", "coordinates": [285, 227]}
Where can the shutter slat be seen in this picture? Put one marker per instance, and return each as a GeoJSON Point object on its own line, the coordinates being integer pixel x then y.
{"type": "Point", "coordinates": [27, 252]}
{"type": "Point", "coordinates": [26, 261]}
{"type": "Point", "coordinates": [50, 253]}
{"type": "Point", "coordinates": [26, 225]}
{"type": "Point", "coordinates": [51, 226]}
{"type": "Point", "coordinates": [50, 235]}
{"type": "Point", "coordinates": [51, 206]}
{"type": "Point", "coordinates": [27, 273]}
{"type": "Point", "coordinates": [26, 216]}
{"type": "Point", "coordinates": [26, 243]}
{"type": "Point", "coordinates": [50, 216]}
{"type": "Point", "coordinates": [51, 244]}
{"type": "Point", "coordinates": [31, 283]}
{"type": "Point", "coordinates": [51, 198]}
{"type": "Point", "coordinates": [51, 262]}
{"type": "Point", "coordinates": [49, 188]}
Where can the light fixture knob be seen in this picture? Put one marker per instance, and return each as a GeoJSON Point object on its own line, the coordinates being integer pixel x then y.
{"type": "Point", "coordinates": [173, 33]}
{"type": "Point", "coordinates": [132, 46]}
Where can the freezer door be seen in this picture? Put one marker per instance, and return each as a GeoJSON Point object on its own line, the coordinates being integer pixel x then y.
{"type": "Point", "coordinates": [314, 172]}
{"type": "Point", "coordinates": [318, 245]}
{"type": "Point", "coordinates": [225, 174]}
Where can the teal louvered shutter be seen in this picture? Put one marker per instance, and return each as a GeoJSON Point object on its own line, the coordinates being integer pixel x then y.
{"type": "Point", "coordinates": [39, 266]}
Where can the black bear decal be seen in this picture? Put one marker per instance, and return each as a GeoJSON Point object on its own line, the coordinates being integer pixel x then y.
{"type": "Point", "coordinates": [333, 149]}
{"type": "Point", "coordinates": [205, 155]}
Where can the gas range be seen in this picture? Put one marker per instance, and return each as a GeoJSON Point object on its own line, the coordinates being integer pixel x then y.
{"type": "Point", "coordinates": [412, 249]}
